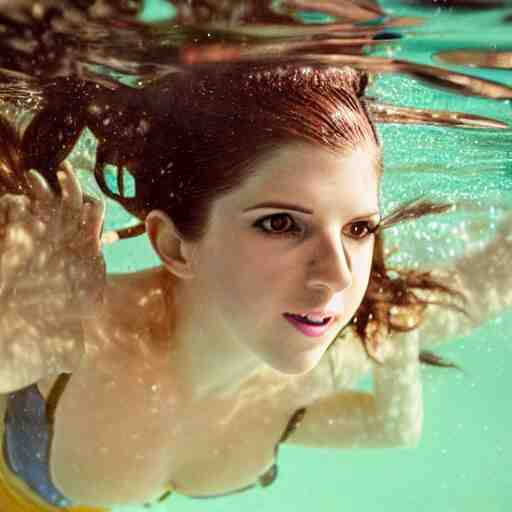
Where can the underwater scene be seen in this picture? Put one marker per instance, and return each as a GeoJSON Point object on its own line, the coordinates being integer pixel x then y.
{"type": "Point", "coordinates": [109, 87]}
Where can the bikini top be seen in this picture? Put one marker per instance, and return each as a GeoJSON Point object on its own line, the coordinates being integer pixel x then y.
{"type": "Point", "coordinates": [28, 435]}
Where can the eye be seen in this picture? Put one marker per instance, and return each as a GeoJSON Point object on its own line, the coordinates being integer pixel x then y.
{"type": "Point", "coordinates": [360, 229]}
{"type": "Point", "coordinates": [278, 223]}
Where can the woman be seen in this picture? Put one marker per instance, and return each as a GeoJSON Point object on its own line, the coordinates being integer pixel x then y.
{"type": "Point", "coordinates": [258, 189]}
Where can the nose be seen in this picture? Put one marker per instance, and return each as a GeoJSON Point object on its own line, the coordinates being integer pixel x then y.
{"type": "Point", "coordinates": [330, 267]}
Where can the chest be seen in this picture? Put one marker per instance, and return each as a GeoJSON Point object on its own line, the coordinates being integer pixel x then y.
{"type": "Point", "coordinates": [133, 428]}
{"type": "Point", "coordinates": [122, 424]}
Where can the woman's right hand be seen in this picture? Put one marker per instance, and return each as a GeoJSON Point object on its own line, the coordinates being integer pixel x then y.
{"type": "Point", "coordinates": [51, 266]}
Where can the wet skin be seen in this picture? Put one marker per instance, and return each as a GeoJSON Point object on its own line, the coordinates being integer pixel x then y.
{"type": "Point", "coordinates": [191, 366]}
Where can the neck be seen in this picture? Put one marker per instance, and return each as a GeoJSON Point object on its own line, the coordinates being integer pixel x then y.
{"type": "Point", "coordinates": [206, 357]}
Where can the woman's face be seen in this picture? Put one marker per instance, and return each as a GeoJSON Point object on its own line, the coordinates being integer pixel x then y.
{"type": "Point", "coordinates": [293, 239]}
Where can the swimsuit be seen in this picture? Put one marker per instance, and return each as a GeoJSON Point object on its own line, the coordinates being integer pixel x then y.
{"type": "Point", "coordinates": [25, 484]}
{"type": "Point", "coordinates": [24, 458]}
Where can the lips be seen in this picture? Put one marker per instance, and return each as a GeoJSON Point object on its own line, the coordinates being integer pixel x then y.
{"type": "Point", "coordinates": [317, 315]}
{"type": "Point", "coordinates": [308, 327]}
{"type": "Point", "coordinates": [312, 319]}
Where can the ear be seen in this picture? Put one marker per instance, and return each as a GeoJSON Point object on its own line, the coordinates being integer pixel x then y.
{"type": "Point", "coordinates": [175, 252]}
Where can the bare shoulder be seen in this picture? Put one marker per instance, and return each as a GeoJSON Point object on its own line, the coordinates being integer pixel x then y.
{"type": "Point", "coordinates": [143, 289]}
{"type": "Point", "coordinates": [128, 314]}
{"type": "Point", "coordinates": [133, 311]}
{"type": "Point", "coordinates": [121, 383]}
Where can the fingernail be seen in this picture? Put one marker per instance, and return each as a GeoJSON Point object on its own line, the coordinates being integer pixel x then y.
{"type": "Point", "coordinates": [61, 176]}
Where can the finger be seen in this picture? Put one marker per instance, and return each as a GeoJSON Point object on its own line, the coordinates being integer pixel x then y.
{"type": "Point", "coordinates": [72, 196]}
{"type": "Point", "coordinates": [71, 201]}
{"type": "Point", "coordinates": [39, 190]}
{"type": "Point", "coordinates": [14, 208]}
{"type": "Point", "coordinates": [4, 208]}
{"type": "Point", "coordinates": [92, 220]}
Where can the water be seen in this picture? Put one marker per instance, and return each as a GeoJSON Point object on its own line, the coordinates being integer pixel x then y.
{"type": "Point", "coordinates": [464, 460]}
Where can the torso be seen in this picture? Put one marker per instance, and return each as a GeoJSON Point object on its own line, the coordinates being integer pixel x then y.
{"type": "Point", "coordinates": [123, 427]}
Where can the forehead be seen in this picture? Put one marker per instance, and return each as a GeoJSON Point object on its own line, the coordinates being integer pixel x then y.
{"type": "Point", "coordinates": [313, 173]}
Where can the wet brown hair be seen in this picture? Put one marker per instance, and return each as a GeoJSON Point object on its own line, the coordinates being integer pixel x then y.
{"type": "Point", "coordinates": [192, 136]}
{"type": "Point", "coordinates": [214, 121]}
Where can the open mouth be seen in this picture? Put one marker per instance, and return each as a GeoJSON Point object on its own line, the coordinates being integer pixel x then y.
{"type": "Point", "coordinates": [309, 321]}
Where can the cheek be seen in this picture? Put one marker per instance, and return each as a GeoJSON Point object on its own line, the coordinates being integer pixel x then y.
{"type": "Point", "coordinates": [242, 275]}
{"type": "Point", "coordinates": [363, 268]}
{"type": "Point", "coordinates": [255, 261]}
{"type": "Point", "coordinates": [256, 279]}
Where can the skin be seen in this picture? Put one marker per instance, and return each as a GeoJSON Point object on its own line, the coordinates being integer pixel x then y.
{"type": "Point", "coordinates": [239, 298]}
{"type": "Point", "coordinates": [191, 373]}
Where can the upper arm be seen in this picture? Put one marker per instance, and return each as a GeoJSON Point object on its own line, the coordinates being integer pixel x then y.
{"type": "Point", "coordinates": [484, 298]}
{"type": "Point", "coordinates": [442, 324]}
{"type": "Point", "coordinates": [483, 276]}
{"type": "Point", "coordinates": [341, 417]}
{"type": "Point", "coordinates": [390, 416]}
{"type": "Point", "coordinates": [347, 419]}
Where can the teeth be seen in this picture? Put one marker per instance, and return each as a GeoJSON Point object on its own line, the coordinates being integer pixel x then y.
{"type": "Point", "coordinates": [315, 317]}
{"type": "Point", "coordinates": [316, 321]}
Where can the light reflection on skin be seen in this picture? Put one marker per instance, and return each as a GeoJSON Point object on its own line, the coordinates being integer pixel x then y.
{"type": "Point", "coordinates": [235, 284]}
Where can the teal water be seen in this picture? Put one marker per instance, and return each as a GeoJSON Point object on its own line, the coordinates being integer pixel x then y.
{"type": "Point", "coordinates": [464, 460]}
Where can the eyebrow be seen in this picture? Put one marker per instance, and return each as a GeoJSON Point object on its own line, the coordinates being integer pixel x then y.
{"type": "Point", "coordinates": [294, 207]}
{"type": "Point", "coordinates": [279, 206]}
